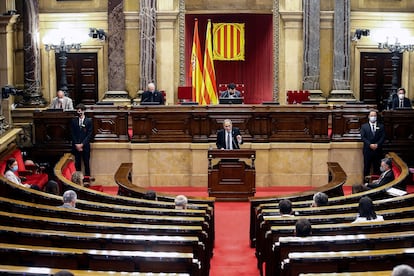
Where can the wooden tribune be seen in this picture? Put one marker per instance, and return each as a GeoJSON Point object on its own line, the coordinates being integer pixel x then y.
{"type": "Point", "coordinates": [231, 179]}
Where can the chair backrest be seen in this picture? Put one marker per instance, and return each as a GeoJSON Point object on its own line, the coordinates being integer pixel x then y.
{"type": "Point", "coordinates": [184, 93]}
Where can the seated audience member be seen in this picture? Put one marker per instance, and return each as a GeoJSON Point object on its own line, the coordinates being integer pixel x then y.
{"type": "Point", "coordinates": [402, 270]}
{"type": "Point", "coordinates": [69, 200]}
{"type": "Point", "coordinates": [285, 208]}
{"type": "Point", "coordinates": [10, 174]}
{"type": "Point", "coordinates": [150, 195]}
{"type": "Point", "coordinates": [181, 202]}
{"type": "Point", "coordinates": [303, 228]}
{"type": "Point", "coordinates": [320, 199]}
{"type": "Point", "coordinates": [366, 211]}
{"type": "Point", "coordinates": [387, 175]}
{"type": "Point", "coordinates": [52, 187]}
{"type": "Point", "coordinates": [77, 178]}
{"type": "Point", "coordinates": [231, 92]}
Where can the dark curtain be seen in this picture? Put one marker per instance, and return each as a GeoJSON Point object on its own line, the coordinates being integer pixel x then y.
{"type": "Point", "coordinates": [256, 71]}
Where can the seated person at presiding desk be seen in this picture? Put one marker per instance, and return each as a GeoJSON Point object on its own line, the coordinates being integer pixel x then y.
{"type": "Point", "coordinates": [10, 174]}
{"type": "Point", "coordinates": [387, 175]}
{"type": "Point", "coordinates": [152, 96]}
{"type": "Point", "coordinates": [231, 92]}
{"type": "Point", "coordinates": [400, 101]}
{"type": "Point", "coordinates": [61, 102]}
{"type": "Point", "coordinates": [229, 137]}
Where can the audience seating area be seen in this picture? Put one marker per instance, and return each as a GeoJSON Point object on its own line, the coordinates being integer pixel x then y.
{"type": "Point", "coordinates": [126, 233]}
{"type": "Point", "coordinates": [359, 247]}
{"type": "Point", "coordinates": [106, 233]}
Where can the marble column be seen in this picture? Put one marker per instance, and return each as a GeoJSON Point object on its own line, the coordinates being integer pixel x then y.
{"type": "Point", "coordinates": [342, 53]}
{"type": "Point", "coordinates": [7, 48]}
{"type": "Point", "coordinates": [181, 31]}
{"type": "Point", "coordinates": [148, 63]}
{"type": "Point", "coordinates": [32, 68]}
{"type": "Point", "coordinates": [276, 38]}
{"type": "Point", "coordinates": [116, 46]}
{"type": "Point", "coordinates": [311, 49]}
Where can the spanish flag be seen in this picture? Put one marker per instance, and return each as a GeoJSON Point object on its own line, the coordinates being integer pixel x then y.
{"type": "Point", "coordinates": [196, 63]}
{"type": "Point", "coordinates": [209, 89]}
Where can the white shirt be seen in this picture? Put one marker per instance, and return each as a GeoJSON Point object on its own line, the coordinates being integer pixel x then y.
{"type": "Point", "coordinates": [364, 219]}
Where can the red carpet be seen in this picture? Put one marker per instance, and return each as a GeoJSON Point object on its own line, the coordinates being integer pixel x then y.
{"type": "Point", "coordinates": [232, 254]}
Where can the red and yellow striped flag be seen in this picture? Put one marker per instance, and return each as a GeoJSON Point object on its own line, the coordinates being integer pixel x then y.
{"type": "Point", "coordinates": [228, 41]}
{"type": "Point", "coordinates": [196, 61]}
{"type": "Point", "coordinates": [209, 89]}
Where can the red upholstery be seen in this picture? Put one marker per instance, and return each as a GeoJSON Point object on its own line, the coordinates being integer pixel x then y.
{"type": "Point", "coordinates": [396, 171]}
{"type": "Point", "coordinates": [184, 94]}
{"type": "Point", "coordinates": [70, 168]}
{"type": "Point", "coordinates": [39, 179]}
{"type": "Point", "coordinates": [297, 96]}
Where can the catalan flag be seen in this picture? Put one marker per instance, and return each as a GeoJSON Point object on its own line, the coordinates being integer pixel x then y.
{"type": "Point", "coordinates": [209, 89]}
{"type": "Point", "coordinates": [196, 63]}
{"type": "Point", "coordinates": [228, 41]}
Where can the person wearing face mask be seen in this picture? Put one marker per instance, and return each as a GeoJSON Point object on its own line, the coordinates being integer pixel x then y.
{"type": "Point", "coordinates": [81, 130]}
{"type": "Point", "coordinates": [61, 102]}
{"type": "Point", "coordinates": [387, 175]}
{"type": "Point", "coordinates": [401, 101]}
{"type": "Point", "coordinates": [11, 174]}
{"type": "Point", "coordinates": [373, 136]}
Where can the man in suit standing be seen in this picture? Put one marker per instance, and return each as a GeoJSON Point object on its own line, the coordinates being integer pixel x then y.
{"type": "Point", "coordinates": [152, 95]}
{"type": "Point", "coordinates": [401, 101]}
{"type": "Point", "coordinates": [81, 135]}
{"type": "Point", "coordinates": [373, 136]}
{"type": "Point", "coordinates": [229, 137]}
{"type": "Point", "coordinates": [231, 92]}
{"type": "Point", "coordinates": [61, 101]}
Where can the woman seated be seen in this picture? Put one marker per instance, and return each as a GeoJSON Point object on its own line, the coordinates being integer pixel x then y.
{"type": "Point", "coordinates": [77, 178]}
{"type": "Point", "coordinates": [10, 174]}
{"type": "Point", "coordinates": [366, 211]}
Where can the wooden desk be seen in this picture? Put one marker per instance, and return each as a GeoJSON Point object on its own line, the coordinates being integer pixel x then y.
{"type": "Point", "coordinates": [231, 178]}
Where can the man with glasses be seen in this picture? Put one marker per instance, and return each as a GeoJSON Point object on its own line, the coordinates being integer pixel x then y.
{"type": "Point", "coordinates": [229, 137]}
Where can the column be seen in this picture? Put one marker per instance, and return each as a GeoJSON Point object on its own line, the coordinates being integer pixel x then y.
{"type": "Point", "coordinates": [116, 54]}
{"type": "Point", "coordinates": [116, 46]}
{"type": "Point", "coordinates": [147, 19]}
{"type": "Point", "coordinates": [311, 48]}
{"type": "Point", "coordinates": [32, 67]}
{"type": "Point", "coordinates": [7, 47]}
{"type": "Point", "coordinates": [342, 53]}
{"type": "Point", "coordinates": [276, 26]}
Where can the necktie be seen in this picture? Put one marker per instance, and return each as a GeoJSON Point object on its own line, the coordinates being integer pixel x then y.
{"type": "Point", "coordinates": [401, 103]}
{"type": "Point", "coordinates": [228, 141]}
{"type": "Point", "coordinates": [60, 105]}
{"type": "Point", "coordinates": [373, 129]}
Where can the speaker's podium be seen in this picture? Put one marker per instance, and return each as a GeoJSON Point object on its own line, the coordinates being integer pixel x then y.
{"type": "Point", "coordinates": [231, 179]}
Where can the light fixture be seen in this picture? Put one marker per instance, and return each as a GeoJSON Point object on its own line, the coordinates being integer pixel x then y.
{"type": "Point", "coordinates": [97, 34]}
{"type": "Point", "coordinates": [360, 33]}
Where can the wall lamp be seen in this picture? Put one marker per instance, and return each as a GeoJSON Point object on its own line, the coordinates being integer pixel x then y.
{"type": "Point", "coordinates": [97, 33]}
{"type": "Point", "coordinates": [360, 33]}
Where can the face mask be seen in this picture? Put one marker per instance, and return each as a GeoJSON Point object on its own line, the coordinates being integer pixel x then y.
{"type": "Point", "coordinates": [373, 119]}
{"type": "Point", "coordinates": [382, 169]}
{"type": "Point", "coordinates": [15, 168]}
{"type": "Point", "coordinates": [401, 96]}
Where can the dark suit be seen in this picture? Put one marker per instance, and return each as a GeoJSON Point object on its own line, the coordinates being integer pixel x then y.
{"type": "Point", "coordinates": [226, 94]}
{"type": "Point", "coordinates": [372, 157]}
{"type": "Point", "coordinates": [221, 138]}
{"type": "Point", "coordinates": [81, 134]}
{"type": "Point", "coordinates": [385, 178]}
{"type": "Point", "coordinates": [155, 96]}
{"type": "Point", "coordinates": [396, 103]}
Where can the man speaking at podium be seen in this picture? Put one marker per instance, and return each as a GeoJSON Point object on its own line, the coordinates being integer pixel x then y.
{"type": "Point", "coordinates": [229, 137]}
